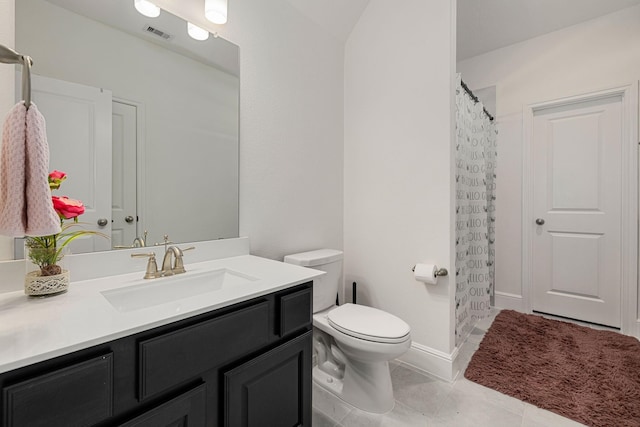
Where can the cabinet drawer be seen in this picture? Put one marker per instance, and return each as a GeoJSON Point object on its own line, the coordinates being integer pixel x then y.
{"type": "Point", "coordinates": [188, 409]}
{"type": "Point", "coordinates": [78, 395]}
{"type": "Point", "coordinates": [176, 357]}
{"type": "Point", "coordinates": [295, 310]}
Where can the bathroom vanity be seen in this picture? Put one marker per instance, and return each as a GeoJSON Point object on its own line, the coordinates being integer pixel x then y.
{"type": "Point", "coordinates": [236, 356]}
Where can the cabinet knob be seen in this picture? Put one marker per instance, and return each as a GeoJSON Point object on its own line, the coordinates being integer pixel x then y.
{"type": "Point", "coordinates": [540, 221]}
{"type": "Point", "coordinates": [103, 222]}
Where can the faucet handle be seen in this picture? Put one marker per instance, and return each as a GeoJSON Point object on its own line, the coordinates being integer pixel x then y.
{"type": "Point", "coordinates": [152, 265]}
{"type": "Point", "coordinates": [165, 243]}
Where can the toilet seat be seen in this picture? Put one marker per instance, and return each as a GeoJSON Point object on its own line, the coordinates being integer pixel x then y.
{"type": "Point", "coordinates": [368, 323]}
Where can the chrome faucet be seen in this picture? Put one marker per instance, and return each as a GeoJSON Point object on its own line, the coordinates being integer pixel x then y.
{"type": "Point", "coordinates": [169, 269]}
{"type": "Point", "coordinates": [138, 242]}
{"type": "Point", "coordinates": [176, 253]}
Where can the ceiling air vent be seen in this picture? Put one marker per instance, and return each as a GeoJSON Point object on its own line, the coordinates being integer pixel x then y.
{"type": "Point", "coordinates": [157, 32]}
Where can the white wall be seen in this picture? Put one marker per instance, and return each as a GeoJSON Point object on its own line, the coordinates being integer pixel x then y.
{"type": "Point", "coordinates": [399, 163]}
{"type": "Point", "coordinates": [599, 54]}
{"type": "Point", "coordinates": [291, 124]}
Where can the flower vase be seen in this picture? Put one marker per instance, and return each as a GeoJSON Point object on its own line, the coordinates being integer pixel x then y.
{"type": "Point", "coordinates": [37, 283]}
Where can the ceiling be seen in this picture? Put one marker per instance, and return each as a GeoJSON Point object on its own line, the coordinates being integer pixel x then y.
{"type": "Point", "coordinates": [486, 25]}
{"type": "Point", "coordinates": [338, 17]}
{"type": "Point", "coordinates": [482, 25]}
{"type": "Point", "coordinates": [215, 51]}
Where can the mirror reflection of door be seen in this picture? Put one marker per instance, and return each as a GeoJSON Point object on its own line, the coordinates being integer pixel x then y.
{"type": "Point", "coordinates": [124, 213]}
{"type": "Point", "coordinates": [78, 120]}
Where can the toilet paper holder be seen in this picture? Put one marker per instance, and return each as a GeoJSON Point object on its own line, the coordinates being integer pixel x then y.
{"type": "Point", "coordinates": [441, 272]}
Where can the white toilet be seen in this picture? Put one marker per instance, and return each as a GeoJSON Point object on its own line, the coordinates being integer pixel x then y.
{"type": "Point", "coordinates": [352, 343]}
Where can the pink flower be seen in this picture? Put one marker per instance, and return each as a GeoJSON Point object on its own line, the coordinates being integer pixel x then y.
{"type": "Point", "coordinates": [67, 208]}
{"type": "Point", "coordinates": [55, 179]}
{"type": "Point", "coordinates": [46, 251]}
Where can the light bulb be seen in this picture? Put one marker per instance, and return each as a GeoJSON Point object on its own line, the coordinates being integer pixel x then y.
{"type": "Point", "coordinates": [147, 8]}
{"type": "Point", "coordinates": [196, 32]}
{"type": "Point", "coordinates": [216, 11]}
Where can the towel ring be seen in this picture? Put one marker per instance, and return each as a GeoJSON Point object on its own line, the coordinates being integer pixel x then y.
{"type": "Point", "coordinates": [10, 56]}
{"type": "Point", "coordinates": [26, 80]}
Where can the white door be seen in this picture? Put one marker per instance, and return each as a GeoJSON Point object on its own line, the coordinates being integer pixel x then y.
{"type": "Point", "coordinates": [123, 211]}
{"type": "Point", "coordinates": [577, 210]}
{"type": "Point", "coordinates": [78, 120]}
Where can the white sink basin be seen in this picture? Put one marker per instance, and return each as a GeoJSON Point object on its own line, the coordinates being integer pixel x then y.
{"type": "Point", "coordinates": [148, 293]}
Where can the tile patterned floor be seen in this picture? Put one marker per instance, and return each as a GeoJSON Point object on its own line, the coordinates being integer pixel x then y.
{"type": "Point", "coordinates": [422, 400]}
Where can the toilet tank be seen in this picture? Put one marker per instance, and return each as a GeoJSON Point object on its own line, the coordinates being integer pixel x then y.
{"type": "Point", "coordinates": [325, 288]}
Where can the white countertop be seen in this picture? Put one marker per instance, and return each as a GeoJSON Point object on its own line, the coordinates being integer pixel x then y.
{"type": "Point", "coordinates": [36, 329]}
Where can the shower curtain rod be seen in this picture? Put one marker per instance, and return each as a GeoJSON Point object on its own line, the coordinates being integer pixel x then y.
{"type": "Point", "coordinates": [10, 56]}
{"type": "Point", "coordinates": [475, 98]}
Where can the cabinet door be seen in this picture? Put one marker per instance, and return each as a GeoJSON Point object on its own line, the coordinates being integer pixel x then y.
{"type": "Point", "coordinates": [75, 396]}
{"type": "Point", "coordinates": [188, 409]}
{"type": "Point", "coordinates": [273, 389]}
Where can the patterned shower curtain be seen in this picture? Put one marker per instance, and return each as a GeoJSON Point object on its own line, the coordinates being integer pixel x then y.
{"type": "Point", "coordinates": [475, 211]}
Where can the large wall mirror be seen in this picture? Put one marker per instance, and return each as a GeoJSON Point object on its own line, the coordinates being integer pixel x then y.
{"type": "Point", "coordinates": [142, 118]}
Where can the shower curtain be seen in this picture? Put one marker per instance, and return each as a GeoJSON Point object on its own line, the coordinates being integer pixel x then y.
{"type": "Point", "coordinates": [475, 211]}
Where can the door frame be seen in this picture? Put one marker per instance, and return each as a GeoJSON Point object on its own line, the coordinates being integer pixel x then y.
{"type": "Point", "coordinates": [629, 221]}
{"type": "Point", "coordinates": [141, 171]}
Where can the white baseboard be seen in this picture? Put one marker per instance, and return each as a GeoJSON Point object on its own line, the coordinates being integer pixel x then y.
{"type": "Point", "coordinates": [509, 301]}
{"type": "Point", "coordinates": [431, 361]}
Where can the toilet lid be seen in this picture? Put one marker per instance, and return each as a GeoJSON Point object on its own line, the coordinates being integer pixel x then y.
{"type": "Point", "coordinates": [368, 323]}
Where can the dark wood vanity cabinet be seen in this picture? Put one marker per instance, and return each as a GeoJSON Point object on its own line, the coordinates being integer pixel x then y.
{"type": "Point", "coordinates": [273, 386]}
{"type": "Point", "coordinates": [248, 364]}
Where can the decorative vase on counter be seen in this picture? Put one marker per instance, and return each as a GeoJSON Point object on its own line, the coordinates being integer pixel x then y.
{"type": "Point", "coordinates": [37, 285]}
{"type": "Point", "coordinates": [45, 275]}
{"type": "Point", "coordinates": [45, 280]}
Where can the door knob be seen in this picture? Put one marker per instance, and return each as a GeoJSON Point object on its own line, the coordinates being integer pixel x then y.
{"type": "Point", "coordinates": [102, 222]}
{"type": "Point", "coordinates": [129, 219]}
{"type": "Point", "coordinates": [540, 221]}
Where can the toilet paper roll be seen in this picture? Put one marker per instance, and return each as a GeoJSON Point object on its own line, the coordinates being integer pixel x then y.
{"type": "Point", "coordinates": [426, 273]}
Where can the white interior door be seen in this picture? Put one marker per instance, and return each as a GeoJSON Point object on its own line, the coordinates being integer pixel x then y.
{"type": "Point", "coordinates": [123, 211]}
{"type": "Point", "coordinates": [78, 120]}
{"type": "Point", "coordinates": [577, 210]}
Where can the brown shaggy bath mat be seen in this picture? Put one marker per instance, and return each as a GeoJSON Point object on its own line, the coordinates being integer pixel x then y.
{"type": "Point", "coordinates": [590, 376]}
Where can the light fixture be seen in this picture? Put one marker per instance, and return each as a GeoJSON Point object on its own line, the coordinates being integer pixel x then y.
{"type": "Point", "coordinates": [147, 8]}
{"type": "Point", "coordinates": [196, 32]}
{"type": "Point", "coordinates": [216, 11]}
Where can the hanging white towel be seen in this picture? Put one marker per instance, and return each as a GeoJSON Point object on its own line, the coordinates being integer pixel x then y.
{"type": "Point", "coordinates": [13, 220]}
{"type": "Point", "coordinates": [25, 199]}
{"type": "Point", "coordinates": [42, 219]}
